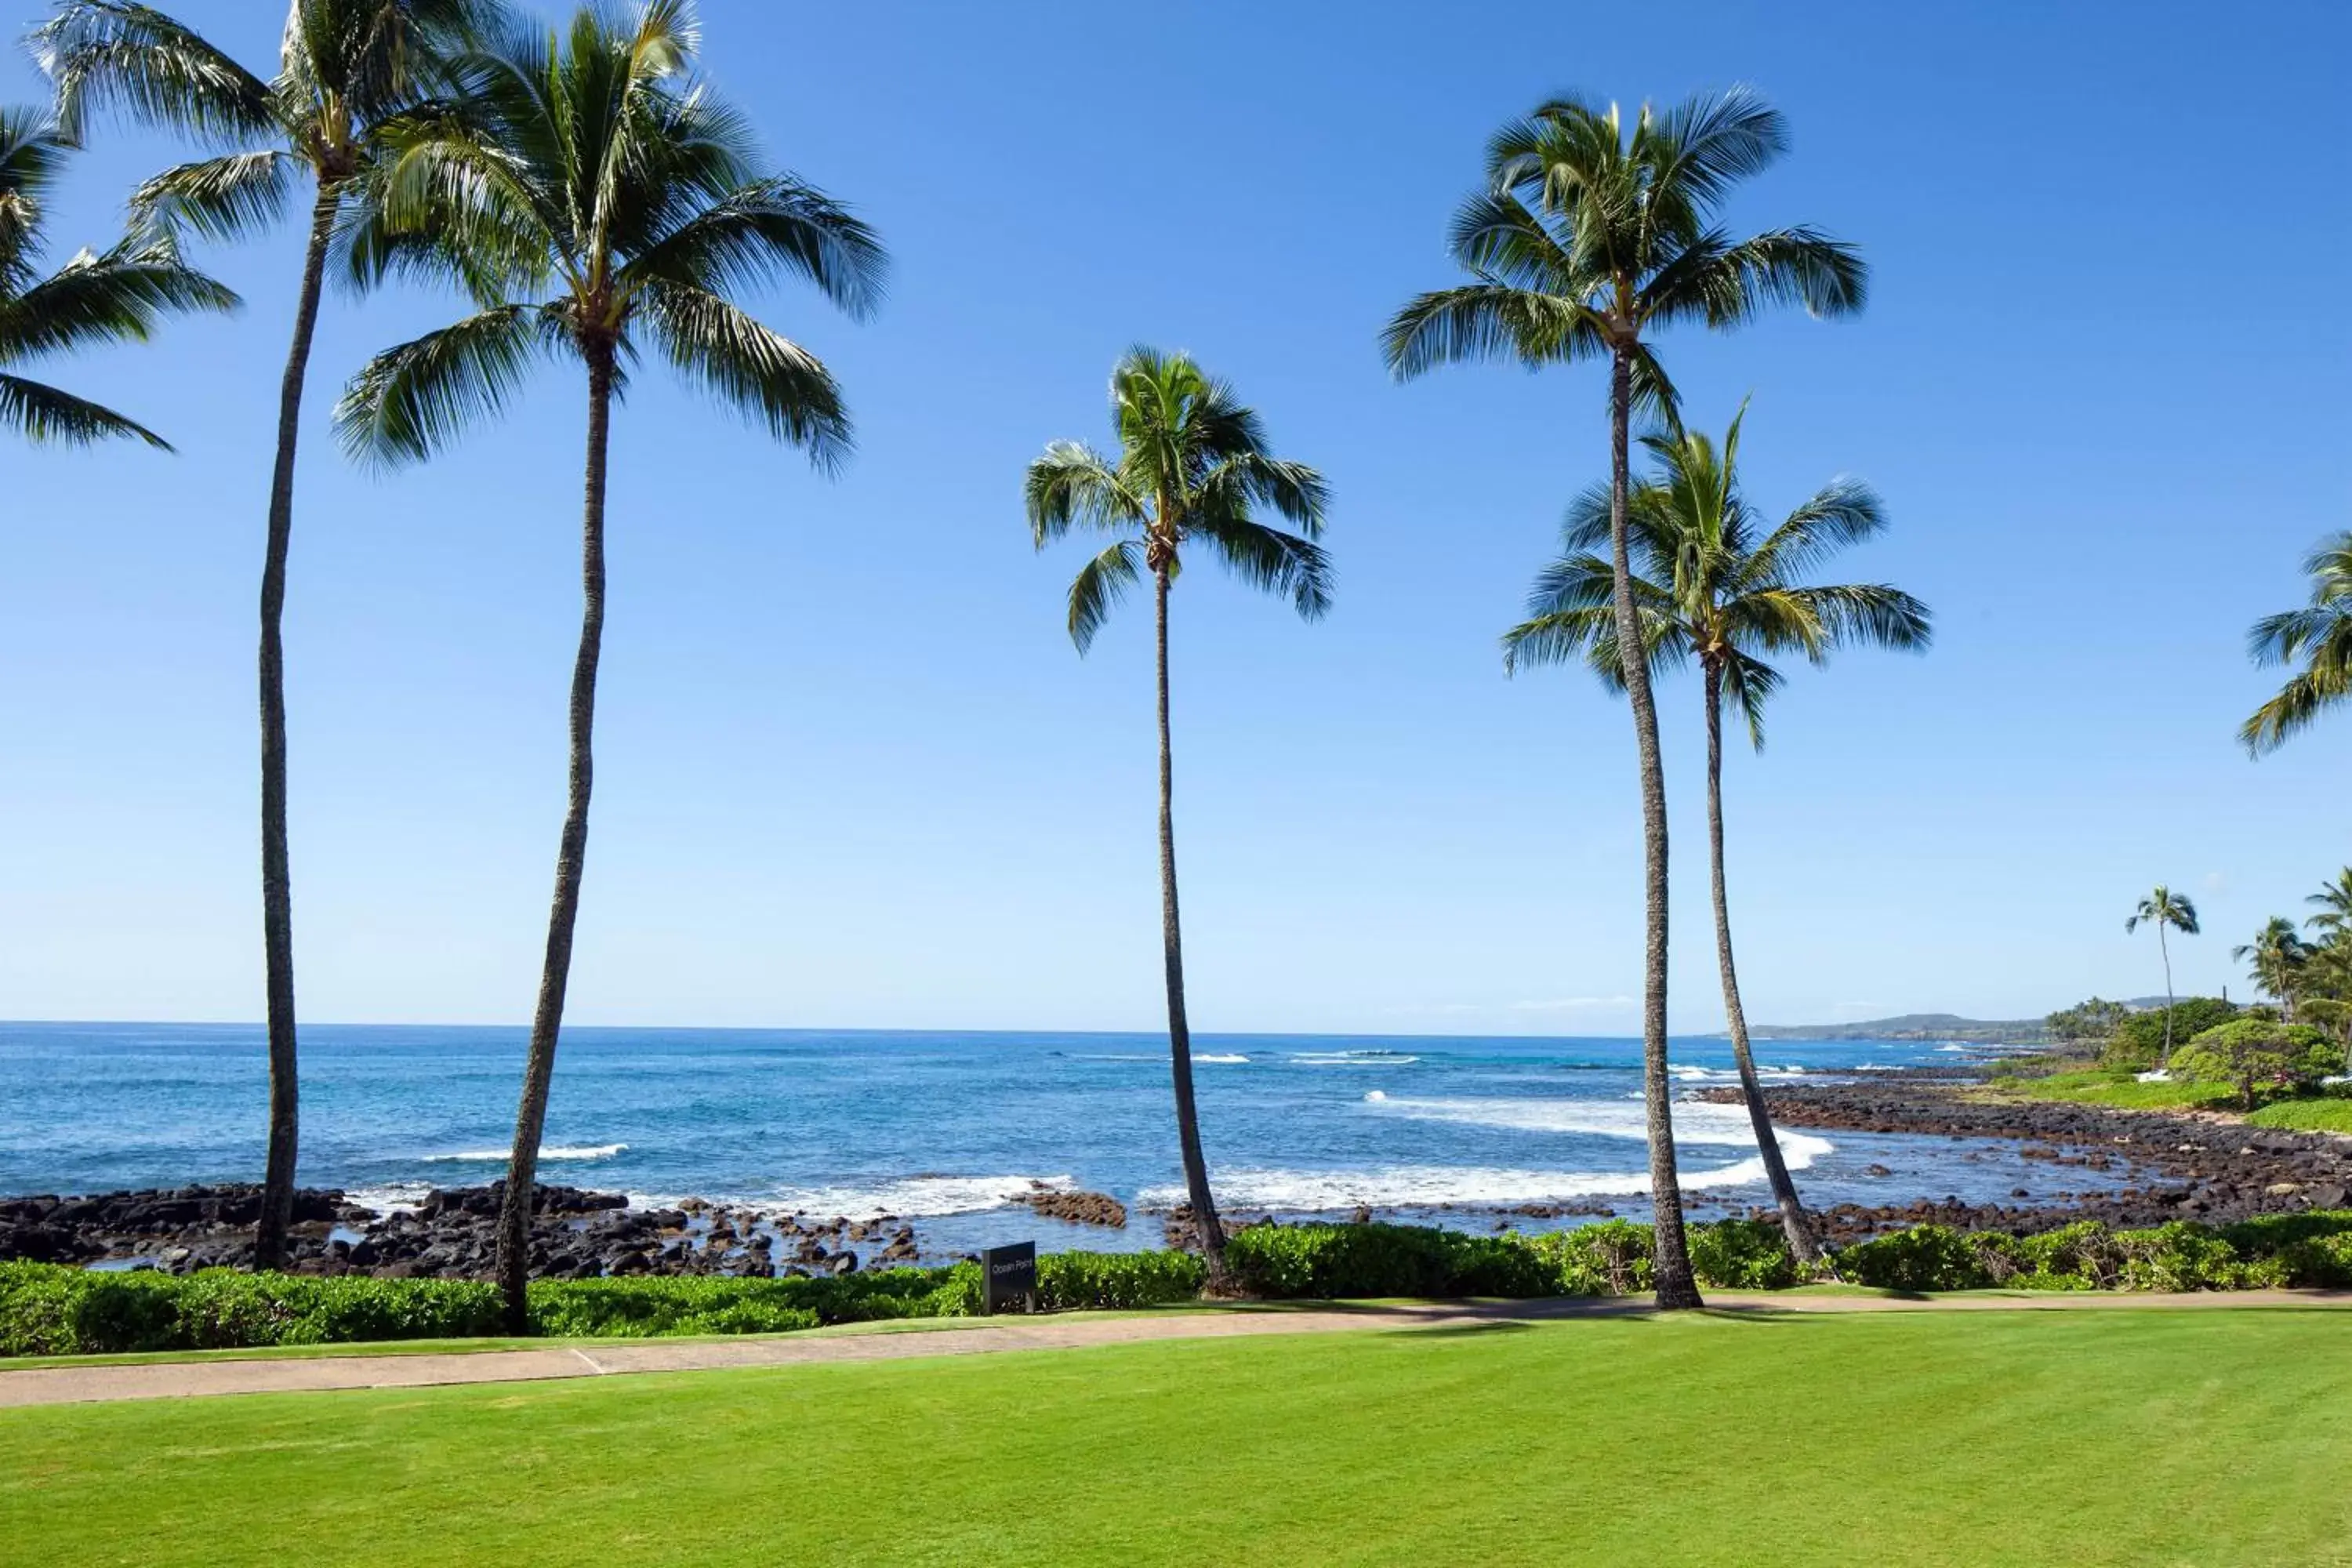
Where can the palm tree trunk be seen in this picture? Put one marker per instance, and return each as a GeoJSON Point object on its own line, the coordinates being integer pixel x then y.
{"type": "Point", "coordinates": [1676, 1286]}
{"type": "Point", "coordinates": [1171, 939]}
{"type": "Point", "coordinates": [276, 871]}
{"type": "Point", "coordinates": [555, 974]}
{"type": "Point", "coordinates": [1801, 1245]}
{"type": "Point", "coordinates": [2165, 954]}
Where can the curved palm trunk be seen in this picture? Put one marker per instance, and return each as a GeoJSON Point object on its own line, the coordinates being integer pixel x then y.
{"type": "Point", "coordinates": [1676, 1286]}
{"type": "Point", "coordinates": [2165, 954]}
{"type": "Point", "coordinates": [276, 871]}
{"type": "Point", "coordinates": [1794, 1223]}
{"type": "Point", "coordinates": [1179, 1034]}
{"type": "Point", "coordinates": [570, 860]}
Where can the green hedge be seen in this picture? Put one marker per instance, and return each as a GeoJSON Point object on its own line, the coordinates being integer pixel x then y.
{"type": "Point", "coordinates": [57, 1309]}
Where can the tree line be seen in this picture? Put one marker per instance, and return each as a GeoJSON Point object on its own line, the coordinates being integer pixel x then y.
{"type": "Point", "coordinates": [591, 198]}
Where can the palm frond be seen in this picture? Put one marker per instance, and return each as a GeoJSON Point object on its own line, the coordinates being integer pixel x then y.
{"type": "Point", "coordinates": [1073, 484]}
{"type": "Point", "coordinates": [44, 414]}
{"type": "Point", "coordinates": [762, 374]}
{"type": "Point", "coordinates": [775, 225]}
{"type": "Point", "coordinates": [1490, 321]}
{"type": "Point", "coordinates": [112, 54]}
{"type": "Point", "coordinates": [409, 402]}
{"type": "Point", "coordinates": [227, 198]}
{"type": "Point", "coordinates": [1266, 557]}
{"type": "Point", "coordinates": [1100, 583]}
{"type": "Point", "coordinates": [118, 297]}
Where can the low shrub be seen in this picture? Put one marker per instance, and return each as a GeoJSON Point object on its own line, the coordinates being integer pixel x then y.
{"type": "Point", "coordinates": [1742, 1254]}
{"type": "Point", "coordinates": [2136, 1042]}
{"type": "Point", "coordinates": [55, 1310]}
{"type": "Point", "coordinates": [1613, 1257]}
{"type": "Point", "coordinates": [2256, 1057]}
{"type": "Point", "coordinates": [1925, 1257]}
{"type": "Point", "coordinates": [1329, 1262]}
{"type": "Point", "coordinates": [1109, 1281]}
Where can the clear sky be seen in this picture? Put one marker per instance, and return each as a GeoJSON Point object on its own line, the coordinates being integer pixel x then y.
{"type": "Point", "coordinates": [849, 769]}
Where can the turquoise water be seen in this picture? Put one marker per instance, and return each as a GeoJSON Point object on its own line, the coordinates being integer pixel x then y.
{"type": "Point", "coordinates": [942, 1127]}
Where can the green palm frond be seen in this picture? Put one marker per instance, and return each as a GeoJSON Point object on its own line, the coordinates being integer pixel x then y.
{"type": "Point", "coordinates": [1193, 466]}
{"type": "Point", "coordinates": [590, 162]}
{"type": "Point", "coordinates": [120, 295]}
{"type": "Point", "coordinates": [1100, 583]}
{"type": "Point", "coordinates": [409, 402]}
{"type": "Point", "coordinates": [2319, 634]}
{"type": "Point", "coordinates": [43, 414]}
{"type": "Point", "coordinates": [111, 54]}
{"type": "Point", "coordinates": [763, 374]}
{"type": "Point", "coordinates": [2165, 908]}
{"type": "Point", "coordinates": [1704, 588]}
{"type": "Point", "coordinates": [230, 197]}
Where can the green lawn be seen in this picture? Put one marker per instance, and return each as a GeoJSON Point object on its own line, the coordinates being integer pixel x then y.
{"type": "Point", "coordinates": [2333, 1114]}
{"type": "Point", "coordinates": [2031, 1438]}
{"type": "Point", "coordinates": [2096, 1086]}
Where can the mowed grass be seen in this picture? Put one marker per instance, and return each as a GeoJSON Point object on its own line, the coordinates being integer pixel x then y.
{"type": "Point", "coordinates": [2099, 1087]}
{"type": "Point", "coordinates": [2143, 1436]}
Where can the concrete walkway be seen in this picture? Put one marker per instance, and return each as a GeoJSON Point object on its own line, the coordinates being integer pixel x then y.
{"type": "Point", "coordinates": [173, 1380]}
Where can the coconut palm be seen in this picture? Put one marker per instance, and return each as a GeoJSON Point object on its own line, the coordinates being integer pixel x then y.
{"type": "Point", "coordinates": [1716, 584]}
{"type": "Point", "coordinates": [345, 68]}
{"type": "Point", "coordinates": [1590, 238]}
{"type": "Point", "coordinates": [2320, 634]}
{"type": "Point", "coordinates": [598, 202]}
{"type": "Point", "coordinates": [2277, 958]}
{"type": "Point", "coordinates": [2166, 910]}
{"type": "Point", "coordinates": [2335, 900]}
{"type": "Point", "coordinates": [119, 294]}
{"type": "Point", "coordinates": [1192, 468]}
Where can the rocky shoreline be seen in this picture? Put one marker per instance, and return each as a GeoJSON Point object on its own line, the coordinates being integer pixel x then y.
{"type": "Point", "coordinates": [451, 1235]}
{"type": "Point", "coordinates": [2172, 1165]}
{"type": "Point", "coordinates": [2137, 1167]}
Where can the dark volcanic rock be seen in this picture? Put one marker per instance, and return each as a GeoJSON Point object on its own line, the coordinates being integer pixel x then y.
{"type": "Point", "coordinates": [1077, 1208]}
{"type": "Point", "coordinates": [2180, 1165]}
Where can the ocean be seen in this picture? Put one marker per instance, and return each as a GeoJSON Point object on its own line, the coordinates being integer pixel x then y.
{"type": "Point", "coordinates": [943, 1128]}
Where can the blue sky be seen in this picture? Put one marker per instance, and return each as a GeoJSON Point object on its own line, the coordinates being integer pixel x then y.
{"type": "Point", "coordinates": [850, 771]}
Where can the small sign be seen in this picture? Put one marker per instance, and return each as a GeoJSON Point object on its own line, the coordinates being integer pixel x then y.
{"type": "Point", "coordinates": [1008, 1274]}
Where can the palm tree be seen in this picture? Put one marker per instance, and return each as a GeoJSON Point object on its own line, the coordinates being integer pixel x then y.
{"type": "Point", "coordinates": [2165, 909]}
{"type": "Point", "coordinates": [2320, 634]}
{"type": "Point", "coordinates": [2277, 956]}
{"type": "Point", "coordinates": [1715, 584]}
{"type": "Point", "coordinates": [2335, 900]}
{"type": "Point", "coordinates": [117, 296]}
{"type": "Point", "coordinates": [345, 68]}
{"type": "Point", "coordinates": [1192, 466]}
{"type": "Point", "coordinates": [596, 199]}
{"type": "Point", "coordinates": [1588, 239]}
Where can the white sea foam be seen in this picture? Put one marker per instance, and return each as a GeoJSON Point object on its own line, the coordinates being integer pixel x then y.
{"type": "Point", "coordinates": [1224, 1058]}
{"type": "Point", "coordinates": [392, 1197]}
{"type": "Point", "coordinates": [483, 1156]}
{"type": "Point", "coordinates": [1352, 1059]}
{"type": "Point", "coordinates": [1427, 1186]}
{"type": "Point", "coordinates": [1694, 1121]}
{"type": "Point", "coordinates": [1375, 1096]}
{"type": "Point", "coordinates": [1765, 1073]}
{"type": "Point", "coordinates": [907, 1196]}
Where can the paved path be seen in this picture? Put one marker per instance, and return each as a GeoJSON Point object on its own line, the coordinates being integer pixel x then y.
{"type": "Point", "coordinates": [73, 1385]}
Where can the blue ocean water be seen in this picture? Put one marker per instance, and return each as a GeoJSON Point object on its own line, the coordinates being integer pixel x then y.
{"type": "Point", "coordinates": [943, 1128]}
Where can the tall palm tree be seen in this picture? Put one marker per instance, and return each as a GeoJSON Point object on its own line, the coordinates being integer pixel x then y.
{"type": "Point", "coordinates": [119, 294]}
{"type": "Point", "coordinates": [2276, 956]}
{"type": "Point", "coordinates": [1591, 236]}
{"type": "Point", "coordinates": [596, 199]}
{"type": "Point", "coordinates": [1193, 468]}
{"type": "Point", "coordinates": [345, 68]}
{"type": "Point", "coordinates": [2166, 910]}
{"type": "Point", "coordinates": [1714, 583]}
{"type": "Point", "coordinates": [2320, 634]}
